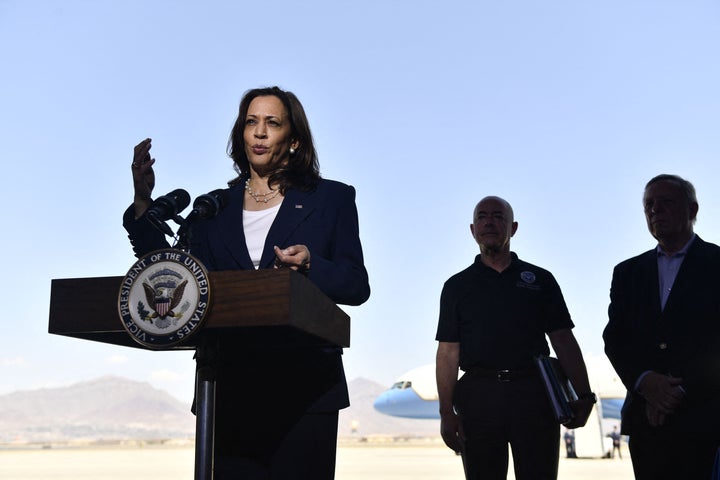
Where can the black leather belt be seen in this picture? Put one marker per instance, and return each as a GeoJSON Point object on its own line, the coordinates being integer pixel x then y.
{"type": "Point", "coordinates": [502, 376]}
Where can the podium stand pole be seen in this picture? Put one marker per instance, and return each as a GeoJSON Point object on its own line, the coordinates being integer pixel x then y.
{"type": "Point", "coordinates": [205, 411]}
{"type": "Point", "coordinates": [204, 425]}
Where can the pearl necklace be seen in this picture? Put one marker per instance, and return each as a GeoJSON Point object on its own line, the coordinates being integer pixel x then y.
{"type": "Point", "coordinates": [261, 197]}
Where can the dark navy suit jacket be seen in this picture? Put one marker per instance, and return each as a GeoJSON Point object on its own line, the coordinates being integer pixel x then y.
{"type": "Point", "coordinates": [286, 382]}
{"type": "Point", "coordinates": [683, 340]}
{"type": "Point", "coordinates": [325, 220]}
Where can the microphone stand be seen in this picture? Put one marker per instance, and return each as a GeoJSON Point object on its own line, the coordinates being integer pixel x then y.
{"type": "Point", "coordinates": [183, 233]}
{"type": "Point", "coordinates": [160, 225]}
{"type": "Point", "coordinates": [207, 350]}
{"type": "Point", "coordinates": [206, 355]}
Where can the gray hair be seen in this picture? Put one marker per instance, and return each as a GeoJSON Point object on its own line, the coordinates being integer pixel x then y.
{"type": "Point", "coordinates": [684, 185]}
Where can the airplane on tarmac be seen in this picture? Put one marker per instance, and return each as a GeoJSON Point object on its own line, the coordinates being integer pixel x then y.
{"type": "Point", "coordinates": [414, 395]}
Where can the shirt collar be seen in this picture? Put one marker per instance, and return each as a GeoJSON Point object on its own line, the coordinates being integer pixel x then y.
{"type": "Point", "coordinates": [513, 262]}
{"type": "Point", "coordinates": [680, 253]}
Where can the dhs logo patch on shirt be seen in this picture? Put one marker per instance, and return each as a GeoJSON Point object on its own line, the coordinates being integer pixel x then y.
{"type": "Point", "coordinates": [527, 277]}
{"type": "Point", "coordinates": [527, 280]}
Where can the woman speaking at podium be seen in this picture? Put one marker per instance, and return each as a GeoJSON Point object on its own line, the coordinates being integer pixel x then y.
{"type": "Point", "coordinates": [276, 408]}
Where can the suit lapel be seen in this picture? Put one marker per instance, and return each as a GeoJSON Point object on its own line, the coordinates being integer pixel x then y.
{"type": "Point", "coordinates": [232, 232]}
{"type": "Point", "coordinates": [295, 208]}
{"type": "Point", "coordinates": [651, 282]}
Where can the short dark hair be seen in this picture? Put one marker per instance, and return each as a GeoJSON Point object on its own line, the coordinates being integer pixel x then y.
{"type": "Point", "coordinates": [303, 170]}
{"type": "Point", "coordinates": [684, 185]}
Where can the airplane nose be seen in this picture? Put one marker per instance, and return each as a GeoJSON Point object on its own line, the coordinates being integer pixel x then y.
{"type": "Point", "coordinates": [383, 403]}
{"type": "Point", "coordinates": [405, 403]}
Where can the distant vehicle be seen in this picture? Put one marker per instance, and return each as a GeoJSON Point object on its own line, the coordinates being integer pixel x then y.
{"type": "Point", "coordinates": [414, 395]}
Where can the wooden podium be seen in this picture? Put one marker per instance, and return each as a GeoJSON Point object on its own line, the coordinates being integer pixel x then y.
{"type": "Point", "coordinates": [271, 307]}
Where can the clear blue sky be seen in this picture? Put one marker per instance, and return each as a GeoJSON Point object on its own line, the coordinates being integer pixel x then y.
{"type": "Point", "coordinates": [565, 108]}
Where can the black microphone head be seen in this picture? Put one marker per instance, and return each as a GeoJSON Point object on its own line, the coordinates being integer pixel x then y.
{"type": "Point", "coordinates": [167, 206]}
{"type": "Point", "coordinates": [182, 199]}
{"type": "Point", "coordinates": [210, 204]}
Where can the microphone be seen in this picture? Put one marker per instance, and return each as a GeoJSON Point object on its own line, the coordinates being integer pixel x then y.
{"type": "Point", "coordinates": [209, 205]}
{"type": "Point", "coordinates": [167, 207]}
{"type": "Point", "coordinates": [204, 207]}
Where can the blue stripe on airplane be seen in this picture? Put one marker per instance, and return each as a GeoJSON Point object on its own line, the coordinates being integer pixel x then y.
{"type": "Point", "coordinates": [406, 403]}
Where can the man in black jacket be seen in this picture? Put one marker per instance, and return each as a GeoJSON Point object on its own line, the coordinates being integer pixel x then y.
{"type": "Point", "coordinates": [663, 338]}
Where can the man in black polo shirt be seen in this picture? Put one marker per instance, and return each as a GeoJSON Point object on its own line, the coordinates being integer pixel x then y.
{"type": "Point", "coordinates": [494, 316]}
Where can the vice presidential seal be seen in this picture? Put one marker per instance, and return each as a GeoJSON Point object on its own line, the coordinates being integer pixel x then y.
{"type": "Point", "coordinates": [164, 298]}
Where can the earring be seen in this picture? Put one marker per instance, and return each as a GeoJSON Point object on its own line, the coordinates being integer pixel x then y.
{"type": "Point", "coordinates": [292, 151]}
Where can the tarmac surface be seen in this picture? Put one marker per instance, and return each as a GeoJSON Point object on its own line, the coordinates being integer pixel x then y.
{"type": "Point", "coordinates": [354, 462]}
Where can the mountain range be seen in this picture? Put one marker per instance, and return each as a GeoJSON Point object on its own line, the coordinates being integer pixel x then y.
{"type": "Point", "coordinates": [117, 408]}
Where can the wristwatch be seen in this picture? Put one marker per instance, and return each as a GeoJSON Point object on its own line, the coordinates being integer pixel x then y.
{"type": "Point", "coordinates": [590, 395]}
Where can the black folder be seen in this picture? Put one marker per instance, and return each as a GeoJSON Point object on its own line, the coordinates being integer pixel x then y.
{"type": "Point", "coordinates": [559, 389]}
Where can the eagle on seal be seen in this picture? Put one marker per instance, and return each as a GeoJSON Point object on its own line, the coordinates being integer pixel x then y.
{"type": "Point", "coordinates": [163, 299]}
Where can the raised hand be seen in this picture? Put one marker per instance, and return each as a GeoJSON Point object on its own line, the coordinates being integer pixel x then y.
{"type": "Point", "coordinates": [143, 176]}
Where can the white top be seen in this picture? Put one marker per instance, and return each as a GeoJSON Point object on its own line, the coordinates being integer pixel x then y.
{"type": "Point", "coordinates": [256, 224]}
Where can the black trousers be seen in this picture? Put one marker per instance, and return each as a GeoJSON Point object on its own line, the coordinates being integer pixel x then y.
{"type": "Point", "coordinates": [665, 454]}
{"type": "Point", "coordinates": [276, 412]}
{"type": "Point", "coordinates": [517, 413]}
{"type": "Point", "coordinates": [307, 451]}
